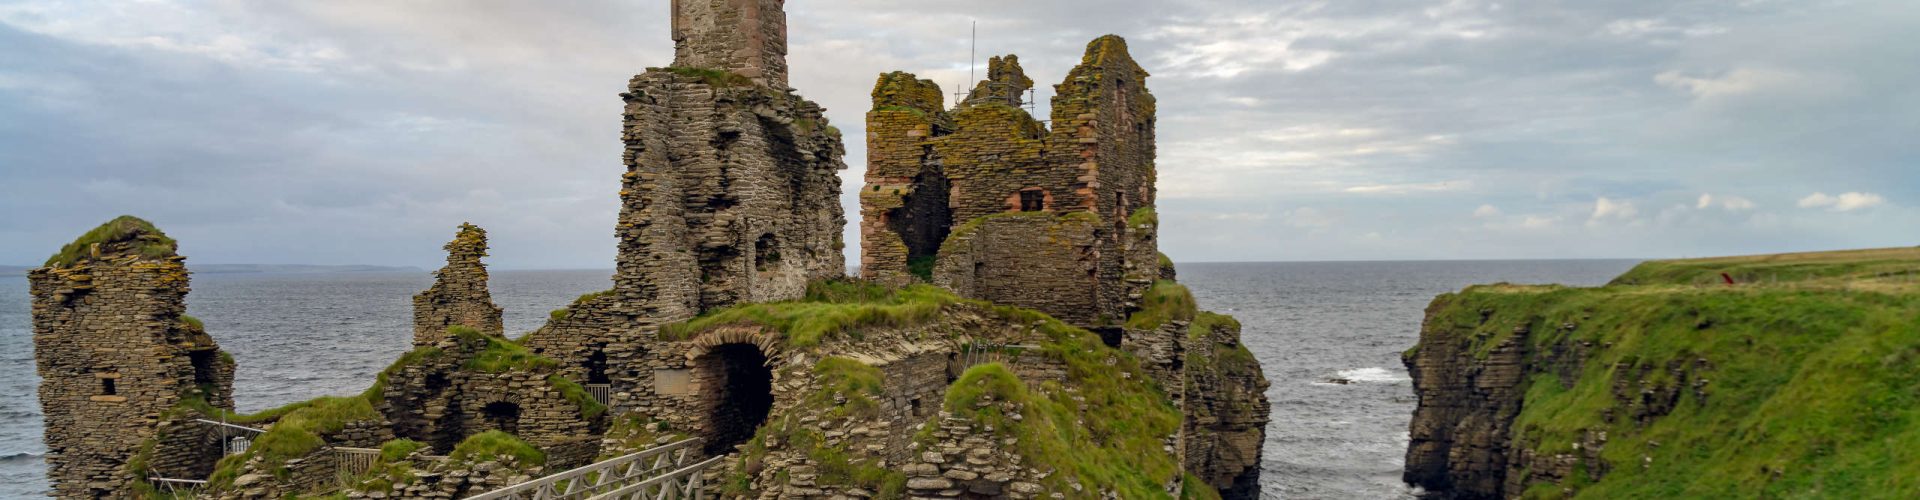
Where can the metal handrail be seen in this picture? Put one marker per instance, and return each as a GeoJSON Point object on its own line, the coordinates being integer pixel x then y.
{"type": "Point", "coordinates": [690, 489]}
{"type": "Point", "coordinates": [576, 483]}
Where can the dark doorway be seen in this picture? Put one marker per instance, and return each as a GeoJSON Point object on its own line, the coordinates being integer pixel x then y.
{"type": "Point", "coordinates": [923, 221]}
{"type": "Point", "coordinates": [741, 388]}
{"type": "Point", "coordinates": [596, 366]}
{"type": "Point", "coordinates": [1109, 336]}
{"type": "Point", "coordinates": [502, 416]}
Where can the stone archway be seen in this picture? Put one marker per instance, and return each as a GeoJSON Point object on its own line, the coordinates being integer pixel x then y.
{"type": "Point", "coordinates": [736, 394]}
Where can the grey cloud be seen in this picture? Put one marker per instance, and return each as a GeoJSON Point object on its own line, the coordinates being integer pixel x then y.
{"type": "Point", "coordinates": [361, 131]}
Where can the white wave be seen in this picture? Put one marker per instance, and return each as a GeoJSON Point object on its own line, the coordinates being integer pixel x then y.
{"type": "Point", "coordinates": [1372, 375]}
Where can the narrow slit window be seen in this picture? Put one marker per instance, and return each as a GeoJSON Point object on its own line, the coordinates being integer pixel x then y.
{"type": "Point", "coordinates": [108, 387]}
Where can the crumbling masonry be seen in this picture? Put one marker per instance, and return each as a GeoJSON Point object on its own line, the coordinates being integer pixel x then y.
{"type": "Point", "coordinates": [115, 351]}
{"type": "Point", "coordinates": [459, 296]}
{"type": "Point", "coordinates": [993, 204]}
{"type": "Point", "coordinates": [730, 209]}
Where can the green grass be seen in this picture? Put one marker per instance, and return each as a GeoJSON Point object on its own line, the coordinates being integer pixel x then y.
{"type": "Point", "coordinates": [501, 355]}
{"type": "Point", "coordinates": [1888, 264]}
{"type": "Point", "coordinates": [589, 408]}
{"type": "Point", "coordinates": [296, 434]}
{"type": "Point", "coordinates": [1143, 216]}
{"type": "Point", "coordinates": [1204, 354]}
{"type": "Point", "coordinates": [904, 109]}
{"type": "Point", "coordinates": [922, 266]}
{"type": "Point", "coordinates": [1165, 302]}
{"type": "Point", "coordinates": [496, 445]}
{"type": "Point", "coordinates": [193, 323]}
{"type": "Point", "coordinates": [830, 310]}
{"type": "Point", "coordinates": [1809, 392]}
{"type": "Point", "coordinates": [398, 449]}
{"type": "Point", "coordinates": [567, 312]}
{"type": "Point", "coordinates": [714, 77]}
{"type": "Point", "coordinates": [146, 240]}
{"type": "Point", "coordinates": [1194, 488]}
{"type": "Point", "coordinates": [1113, 442]}
{"type": "Point", "coordinates": [414, 357]}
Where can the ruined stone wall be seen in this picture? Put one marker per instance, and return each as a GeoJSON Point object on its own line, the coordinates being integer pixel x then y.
{"type": "Point", "coordinates": [971, 462]}
{"type": "Point", "coordinates": [990, 157]}
{"type": "Point", "coordinates": [438, 400]}
{"type": "Point", "coordinates": [317, 471]}
{"type": "Point", "coordinates": [1033, 260]}
{"type": "Point", "coordinates": [907, 199]}
{"type": "Point", "coordinates": [746, 37]}
{"type": "Point", "coordinates": [115, 353]}
{"type": "Point", "coordinates": [459, 296]}
{"type": "Point", "coordinates": [731, 196]}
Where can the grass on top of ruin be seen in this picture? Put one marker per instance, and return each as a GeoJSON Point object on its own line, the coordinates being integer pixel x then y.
{"type": "Point", "coordinates": [497, 445]}
{"type": "Point", "coordinates": [848, 389]}
{"type": "Point", "coordinates": [830, 309]}
{"type": "Point", "coordinates": [146, 240]}
{"type": "Point", "coordinates": [295, 435]}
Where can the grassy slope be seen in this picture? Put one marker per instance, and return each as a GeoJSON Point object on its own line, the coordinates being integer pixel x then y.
{"type": "Point", "coordinates": [1812, 388]}
{"type": "Point", "coordinates": [1885, 264]}
{"type": "Point", "coordinates": [1121, 449]}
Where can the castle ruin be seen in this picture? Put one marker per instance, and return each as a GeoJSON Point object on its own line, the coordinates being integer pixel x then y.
{"type": "Point", "coordinates": [993, 204]}
{"type": "Point", "coordinates": [729, 318]}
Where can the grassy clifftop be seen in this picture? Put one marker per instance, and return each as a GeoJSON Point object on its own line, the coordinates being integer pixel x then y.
{"type": "Point", "coordinates": [1884, 264]}
{"type": "Point", "coordinates": [1806, 385]}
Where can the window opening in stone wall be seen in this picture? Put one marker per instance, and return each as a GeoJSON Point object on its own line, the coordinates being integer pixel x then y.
{"type": "Point", "coordinates": [1109, 336]}
{"type": "Point", "coordinates": [766, 252]}
{"type": "Point", "coordinates": [203, 366]}
{"type": "Point", "coordinates": [502, 416]}
{"type": "Point", "coordinates": [913, 407]}
{"type": "Point", "coordinates": [596, 366]}
{"type": "Point", "coordinates": [1033, 201]}
{"type": "Point", "coordinates": [740, 390]}
{"type": "Point", "coordinates": [108, 387]}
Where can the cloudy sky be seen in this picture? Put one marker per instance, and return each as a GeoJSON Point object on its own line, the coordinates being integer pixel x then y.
{"type": "Point", "coordinates": [363, 131]}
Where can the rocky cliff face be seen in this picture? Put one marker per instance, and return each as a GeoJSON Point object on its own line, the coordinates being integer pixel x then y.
{"type": "Point", "coordinates": [1655, 387]}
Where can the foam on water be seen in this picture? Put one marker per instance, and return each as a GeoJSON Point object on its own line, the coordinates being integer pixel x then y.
{"type": "Point", "coordinates": [298, 336]}
{"type": "Point", "coordinates": [1375, 374]}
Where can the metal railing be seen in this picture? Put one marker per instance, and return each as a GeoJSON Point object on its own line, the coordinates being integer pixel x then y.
{"type": "Point", "coordinates": [979, 353]}
{"type": "Point", "coordinates": [600, 392]}
{"type": "Point", "coordinates": [687, 483]}
{"type": "Point", "coordinates": [349, 463]}
{"type": "Point", "coordinates": [178, 488]}
{"type": "Point", "coordinates": [655, 466]}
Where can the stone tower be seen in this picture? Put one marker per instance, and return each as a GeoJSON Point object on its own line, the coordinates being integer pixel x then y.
{"type": "Point", "coordinates": [115, 351]}
{"type": "Point", "coordinates": [730, 196]}
{"type": "Point", "coordinates": [745, 37]}
{"type": "Point", "coordinates": [991, 203]}
{"type": "Point", "coordinates": [459, 296]}
{"type": "Point", "coordinates": [732, 184]}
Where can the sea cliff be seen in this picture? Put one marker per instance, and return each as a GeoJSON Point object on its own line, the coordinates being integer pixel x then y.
{"type": "Point", "coordinates": [1772, 376]}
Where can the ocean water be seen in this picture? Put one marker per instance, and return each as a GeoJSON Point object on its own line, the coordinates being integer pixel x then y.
{"type": "Point", "coordinates": [297, 336]}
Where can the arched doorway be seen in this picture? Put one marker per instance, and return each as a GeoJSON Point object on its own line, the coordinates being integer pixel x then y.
{"type": "Point", "coordinates": [738, 390]}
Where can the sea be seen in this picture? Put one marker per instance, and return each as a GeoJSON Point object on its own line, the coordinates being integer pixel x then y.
{"type": "Point", "coordinates": [1328, 334]}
